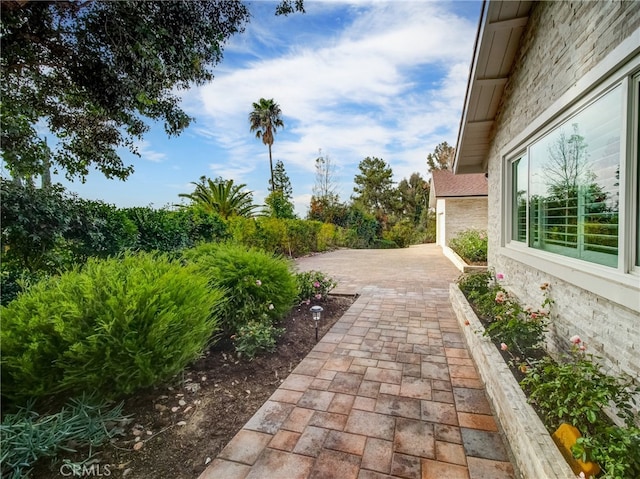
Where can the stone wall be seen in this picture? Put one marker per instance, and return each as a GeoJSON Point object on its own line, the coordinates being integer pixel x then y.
{"type": "Point", "coordinates": [562, 42]}
{"type": "Point", "coordinates": [463, 214]}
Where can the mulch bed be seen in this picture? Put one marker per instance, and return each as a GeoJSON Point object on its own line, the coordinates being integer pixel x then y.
{"type": "Point", "coordinates": [183, 425]}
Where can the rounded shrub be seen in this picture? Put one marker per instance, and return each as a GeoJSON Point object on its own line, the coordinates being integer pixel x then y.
{"type": "Point", "coordinates": [258, 285]}
{"type": "Point", "coordinates": [113, 326]}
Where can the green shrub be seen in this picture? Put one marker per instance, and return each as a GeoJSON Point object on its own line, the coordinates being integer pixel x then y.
{"type": "Point", "coordinates": [256, 283]}
{"type": "Point", "coordinates": [255, 337]}
{"type": "Point", "coordinates": [159, 230]}
{"type": "Point", "coordinates": [27, 436]}
{"type": "Point", "coordinates": [383, 244]}
{"type": "Point", "coordinates": [113, 326]}
{"type": "Point", "coordinates": [576, 391]}
{"type": "Point", "coordinates": [402, 233]}
{"type": "Point", "coordinates": [302, 237]}
{"type": "Point", "coordinates": [471, 245]}
{"type": "Point", "coordinates": [328, 237]}
{"type": "Point", "coordinates": [271, 235]}
{"type": "Point", "coordinates": [313, 285]}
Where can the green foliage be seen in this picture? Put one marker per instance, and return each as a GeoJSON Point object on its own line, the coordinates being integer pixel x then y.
{"type": "Point", "coordinates": [92, 71]}
{"type": "Point", "coordinates": [328, 237]}
{"type": "Point", "coordinates": [290, 237]}
{"type": "Point", "coordinates": [265, 119]}
{"type": "Point", "coordinates": [362, 228]}
{"type": "Point", "coordinates": [280, 201]}
{"type": "Point", "coordinates": [402, 234]}
{"type": "Point", "coordinates": [28, 436]}
{"type": "Point", "coordinates": [313, 286]}
{"type": "Point", "coordinates": [576, 391]}
{"type": "Point", "coordinates": [471, 245]}
{"type": "Point", "coordinates": [158, 230]}
{"type": "Point", "coordinates": [113, 326]}
{"type": "Point", "coordinates": [521, 329]}
{"type": "Point", "coordinates": [616, 450]}
{"type": "Point", "coordinates": [279, 206]}
{"type": "Point", "coordinates": [221, 198]}
{"type": "Point", "coordinates": [383, 244]}
{"type": "Point", "coordinates": [255, 337]}
{"type": "Point", "coordinates": [14, 281]}
{"type": "Point", "coordinates": [414, 198]}
{"type": "Point", "coordinates": [34, 222]}
{"type": "Point", "coordinates": [441, 158]}
{"type": "Point", "coordinates": [374, 187]}
{"type": "Point", "coordinates": [258, 285]}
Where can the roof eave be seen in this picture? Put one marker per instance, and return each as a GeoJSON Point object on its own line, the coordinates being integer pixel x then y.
{"type": "Point", "coordinates": [499, 33]}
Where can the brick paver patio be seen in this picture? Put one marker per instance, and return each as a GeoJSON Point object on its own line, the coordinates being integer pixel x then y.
{"type": "Point", "coordinates": [389, 392]}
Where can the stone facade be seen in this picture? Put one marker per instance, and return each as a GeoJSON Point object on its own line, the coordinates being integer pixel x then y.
{"type": "Point", "coordinates": [459, 214]}
{"type": "Point", "coordinates": [562, 43]}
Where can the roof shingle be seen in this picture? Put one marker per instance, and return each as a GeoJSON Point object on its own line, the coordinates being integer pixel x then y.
{"type": "Point", "coordinates": [445, 184]}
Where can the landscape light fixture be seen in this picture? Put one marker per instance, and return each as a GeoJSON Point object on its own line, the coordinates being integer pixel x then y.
{"type": "Point", "coordinates": [316, 312]}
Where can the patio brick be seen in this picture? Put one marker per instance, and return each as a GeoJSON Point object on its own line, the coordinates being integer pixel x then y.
{"type": "Point", "coordinates": [390, 392]}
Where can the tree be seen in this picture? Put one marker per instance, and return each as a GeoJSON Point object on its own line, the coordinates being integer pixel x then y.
{"type": "Point", "coordinates": [92, 71]}
{"type": "Point", "coordinates": [374, 187]}
{"type": "Point", "coordinates": [222, 197]}
{"type": "Point", "coordinates": [325, 202]}
{"type": "Point", "coordinates": [414, 197]}
{"type": "Point", "coordinates": [280, 200]}
{"type": "Point", "coordinates": [325, 186]}
{"type": "Point", "coordinates": [441, 158]}
{"type": "Point", "coordinates": [265, 119]}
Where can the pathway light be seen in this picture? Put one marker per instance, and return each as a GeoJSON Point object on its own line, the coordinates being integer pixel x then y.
{"type": "Point", "coordinates": [316, 312]}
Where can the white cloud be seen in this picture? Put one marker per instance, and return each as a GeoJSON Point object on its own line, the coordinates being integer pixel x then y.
{"type": "Point", "coordinates": [148, 154]}
{"type": "Point", "coordinates": [390, 84]}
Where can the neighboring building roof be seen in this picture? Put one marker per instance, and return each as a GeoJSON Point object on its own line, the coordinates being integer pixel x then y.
{"type": "Point", "coordinates": [502, 24]}
{"type": "Point", "coordinates": [444, 184]}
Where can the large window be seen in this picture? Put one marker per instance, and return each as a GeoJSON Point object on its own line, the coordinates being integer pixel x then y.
{"type": "Point", "coordinates": [566, 189]}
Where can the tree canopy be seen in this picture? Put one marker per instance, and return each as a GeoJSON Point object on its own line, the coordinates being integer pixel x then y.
{"type": "Point", "coordinates": [222, 197]}
{"type": "Point", "coordinates": [374, 186]}
{"type": "Point", "coordinates": [441, 158]}
{"type": "Point", "coordinates": [280, 200]}
{"type": "Point", "coordinates": [89, 73]}
{"type": "Point", "coordinates": [265, 119]}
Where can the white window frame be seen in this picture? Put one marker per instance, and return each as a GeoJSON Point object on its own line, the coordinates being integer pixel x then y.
{"type": "Point", "coordinates": [621, 284]}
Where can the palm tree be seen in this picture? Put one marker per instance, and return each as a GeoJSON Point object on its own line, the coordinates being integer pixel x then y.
{"type": "Point", "coordinates": [222, 197]}
{"type": "Point", "coordinates": [264, 120]}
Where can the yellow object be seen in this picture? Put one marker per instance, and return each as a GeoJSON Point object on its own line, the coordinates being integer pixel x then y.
{"type": "Point", "coordinates": [565, 437]}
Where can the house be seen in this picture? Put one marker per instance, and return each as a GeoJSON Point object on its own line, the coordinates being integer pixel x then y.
{"type": "Point", "coordinates": [460, 202]}
{"type": "Point", "coordinates": [551, 115]}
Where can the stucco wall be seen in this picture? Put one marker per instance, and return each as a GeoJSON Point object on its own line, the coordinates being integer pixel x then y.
{"type": "Point", "coordinates": [563, 41]}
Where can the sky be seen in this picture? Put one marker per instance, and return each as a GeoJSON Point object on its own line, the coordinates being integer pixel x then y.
{"type": "Point", "coordinates": [353, 79]}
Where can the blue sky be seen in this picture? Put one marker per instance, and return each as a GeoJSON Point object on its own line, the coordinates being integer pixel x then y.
{"type": "Point", "coordinates": [354, 79]}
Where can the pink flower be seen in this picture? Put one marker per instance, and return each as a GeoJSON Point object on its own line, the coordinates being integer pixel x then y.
{"type": "Point", "coordinates": [258, 282]}
{"type": "Point", "coordinates": [308, 302]}
{"type": "Point", "coordinates": [534, 315]}
{"type": "Point", "coordinates": [499, 276]}
{"type": "Point", "coordinates": [503, 346]}
{"type": "Point", "coordinates": [316, 284]}
{"type": "Point", "coordinates": [318, 296]}
{"type": "Point", "coordinates": [575, 339]}
{"type": "Point", "coordinates": [500, 297]}
{"type": "Point", "coordinates": [582, 347]}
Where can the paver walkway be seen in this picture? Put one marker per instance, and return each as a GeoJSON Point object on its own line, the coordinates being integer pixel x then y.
{"type": "Point", "coordinates": [389, 392]}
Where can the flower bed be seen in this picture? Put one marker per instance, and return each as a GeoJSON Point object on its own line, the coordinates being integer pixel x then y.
{"type": "Point", "coordinates": [534, 452]}
{"type": "Point", "coordinates": [570, 393]}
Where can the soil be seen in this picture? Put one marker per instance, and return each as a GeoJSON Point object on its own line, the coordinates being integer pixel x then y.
{"type": "Point", "coordinates": [177, 429]}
